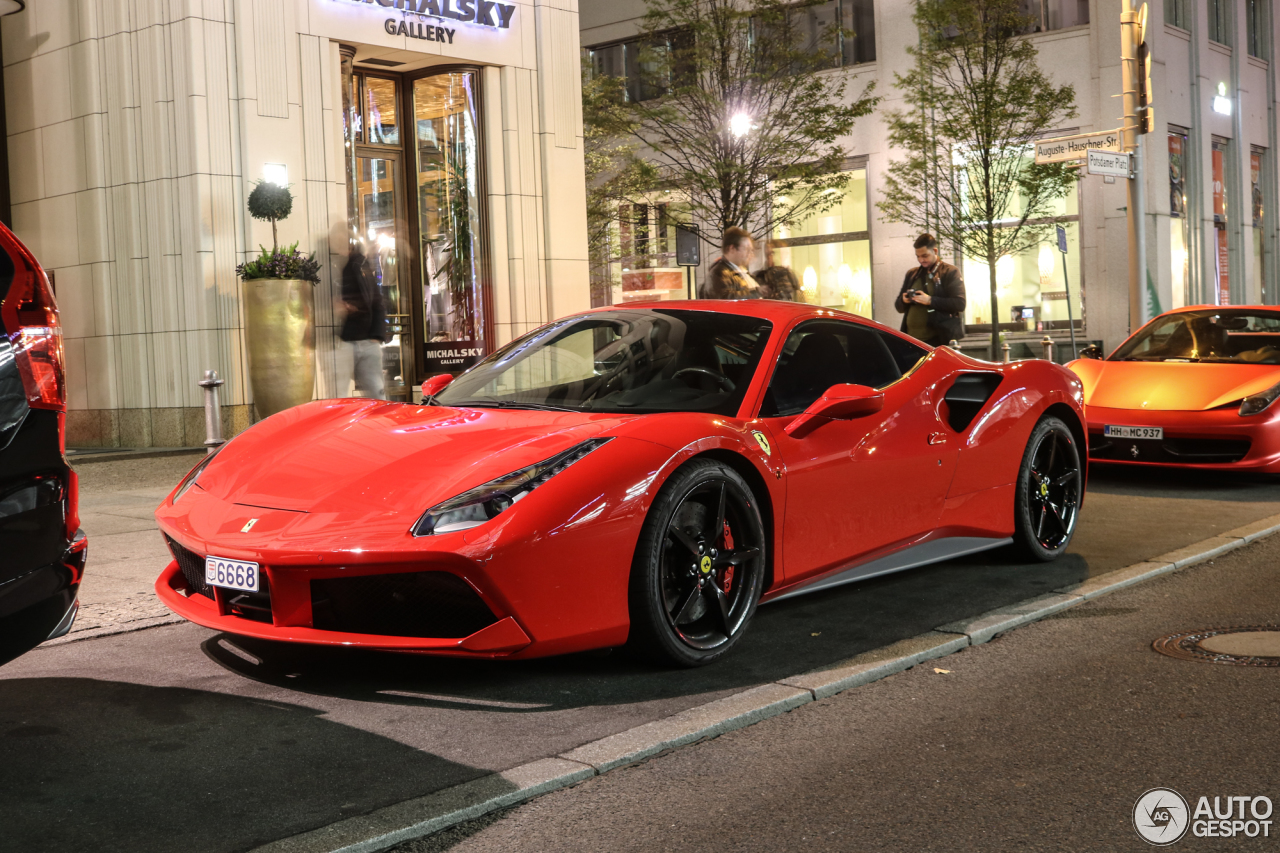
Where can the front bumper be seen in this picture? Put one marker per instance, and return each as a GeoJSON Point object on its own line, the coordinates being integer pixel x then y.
{"type": "Point", "coordinates": [1218, 439]}
{"type": "Point", "coordinates": [271, 617]}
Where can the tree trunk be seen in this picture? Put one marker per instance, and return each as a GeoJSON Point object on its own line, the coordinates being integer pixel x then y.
{"type": "Point", "coordinates": [275, 241]}
{"type": "Point", "coordinates": [995, 307]}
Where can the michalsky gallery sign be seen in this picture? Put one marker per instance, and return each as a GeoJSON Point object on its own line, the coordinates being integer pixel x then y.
{"type": "Point", "coordinates": [484, 13]}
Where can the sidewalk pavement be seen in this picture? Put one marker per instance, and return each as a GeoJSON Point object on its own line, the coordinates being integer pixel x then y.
{"type": "Point", "coordinates": [126, 551]}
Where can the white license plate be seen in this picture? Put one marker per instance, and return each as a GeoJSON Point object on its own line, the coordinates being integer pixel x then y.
{"type": "Point", "coordinates": [1133, 432]}
{"type": "Point", "coordinates": [232, 574]}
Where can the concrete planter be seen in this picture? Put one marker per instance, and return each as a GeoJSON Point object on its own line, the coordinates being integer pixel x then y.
{"type": "Point", "coordinates": [281, 341]}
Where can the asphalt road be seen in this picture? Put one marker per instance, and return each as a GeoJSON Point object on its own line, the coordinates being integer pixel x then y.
{"type": "Point", "coordinates": [1041, 740]}
{"type": "Point", "coordinates": [130, 741]}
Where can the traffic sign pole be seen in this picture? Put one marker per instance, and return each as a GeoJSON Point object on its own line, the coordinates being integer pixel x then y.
{"type": "Point", "coordinates": [1066, 283]}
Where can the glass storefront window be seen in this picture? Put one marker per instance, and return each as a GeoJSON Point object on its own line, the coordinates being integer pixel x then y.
{"type": "Point", "coordinates": [379, 221]}
{"type": "Point", "coordinates": [1031, 288]}
{"type": "Point", "coordinates": [380, 99]}
{"type": "Point", "coordinates": [447, 176]}
{"type": "Point", "coordinates": [830, 252]}
{"type": "Point", "coordinates": [1179, 238]}
{"type": "Point", "coordinates": [1222, 255]}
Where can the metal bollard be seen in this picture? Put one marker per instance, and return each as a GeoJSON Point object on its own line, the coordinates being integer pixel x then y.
{"type": "Point", "coordinates": [955, 345]}
{"type": "Point", "coordinates": [1046, 344]}
{"type": "Point", "coordinates": [212, 411]}
{"type": "Point", "coordinates": [1004, 352]}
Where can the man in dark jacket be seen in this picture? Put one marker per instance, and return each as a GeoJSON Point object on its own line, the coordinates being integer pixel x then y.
{"type": "Point", "coordinates": [728, 277]}
{"type": "Point", "coordinates": [932, 297]}
{"type": "Point", "coordinates": [365, 326]}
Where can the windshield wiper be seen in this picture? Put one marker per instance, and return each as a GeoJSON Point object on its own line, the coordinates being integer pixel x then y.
{"type": "Point", "coordinates": [511, 404]}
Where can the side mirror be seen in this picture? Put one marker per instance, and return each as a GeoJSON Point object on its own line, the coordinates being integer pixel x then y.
{"type": "Point", "coordinates": [436, 384]}
{"type": "Point", "coordinates": [840, 402]}
{"type": "Point", "coordinates": [1092, 351]}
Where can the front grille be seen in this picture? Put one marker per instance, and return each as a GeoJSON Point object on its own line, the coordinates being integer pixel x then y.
{"type": "Point", "coordinates": [192, 565]}
{"type": "Point", "coordinates": [414, 604]}
{"type": "Point", "coordinates": [1170, 450]}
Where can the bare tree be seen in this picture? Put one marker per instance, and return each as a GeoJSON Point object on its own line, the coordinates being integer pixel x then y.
{"type": "Point", "coordinates": [978, 101]}
{"type": "Point", "coordinates": [738, 116]}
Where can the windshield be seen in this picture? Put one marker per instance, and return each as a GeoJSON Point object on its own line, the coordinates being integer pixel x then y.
{"type": "Point", "coordinates": [636, 360]}
{"type": "Point", "coordinates": [1228, 335]}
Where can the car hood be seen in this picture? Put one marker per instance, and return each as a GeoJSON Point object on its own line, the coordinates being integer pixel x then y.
{"type": "Point", "coordinates": [1170, 386]}
{"type": "Point", "coordinates": [328, 455]}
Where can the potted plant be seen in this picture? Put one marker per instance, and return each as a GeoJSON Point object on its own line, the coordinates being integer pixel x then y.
{"type": "Point", "coordinates": [279, 309]}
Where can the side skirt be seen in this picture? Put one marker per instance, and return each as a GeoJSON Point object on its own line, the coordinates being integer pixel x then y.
{"type": "Point", "coordinates": [933, 551]}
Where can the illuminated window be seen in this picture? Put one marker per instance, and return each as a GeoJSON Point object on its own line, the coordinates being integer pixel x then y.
{"type": "Point", "coordinates": [830, 251]}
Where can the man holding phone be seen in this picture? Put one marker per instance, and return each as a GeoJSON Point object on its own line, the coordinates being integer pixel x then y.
{"type": "Point", "coordinates": [932, 297]}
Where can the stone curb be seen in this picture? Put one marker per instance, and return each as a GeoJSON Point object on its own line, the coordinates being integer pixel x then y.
{"type": "Point", "coordinates": [714, 718]}
{"type": "Point", "coordinates": [111, 630]}
{"type": "Point", "coordinates": [423, 816]}
{"type": "Point", "coordinates": [416, 818]}
{"type": "Point", "coordinates": [877, 664]}
{"type": "Point", "coordinates": [982, 628]}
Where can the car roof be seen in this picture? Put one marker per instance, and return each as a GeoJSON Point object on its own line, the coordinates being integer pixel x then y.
{"type": "Point", "coordinates": [776, 310]}
{"type": "Point", "coordinates": [1188, 308]}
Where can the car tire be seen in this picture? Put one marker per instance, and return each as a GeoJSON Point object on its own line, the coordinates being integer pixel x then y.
{"type": "Point", "coordinates": [1050, 487]}
{"type": "Point", "coordinates": [698, 569]}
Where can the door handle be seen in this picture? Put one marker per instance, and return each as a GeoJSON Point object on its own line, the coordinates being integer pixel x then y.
{"type": "Point", "coordinates": [938, 438]}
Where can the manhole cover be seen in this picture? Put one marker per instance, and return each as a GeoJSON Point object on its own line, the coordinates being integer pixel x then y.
{"type": "Point", "coordinates": [1252, 646]}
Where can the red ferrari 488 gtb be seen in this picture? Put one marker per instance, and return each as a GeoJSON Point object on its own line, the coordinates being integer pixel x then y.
{"type": "Point", "coordinates": [643, 475]}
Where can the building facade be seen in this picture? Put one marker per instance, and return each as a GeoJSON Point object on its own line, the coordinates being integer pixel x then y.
{"type": "Point", "coordinates": [445, 134]}
{"type": "Point", "coordinates": [1209, 173]}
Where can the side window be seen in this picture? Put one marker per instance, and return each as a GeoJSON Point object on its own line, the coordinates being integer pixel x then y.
{"type": "Point", "coordinates": [906, 354]}
{"type": "Point", "coordinates": [819, 355]}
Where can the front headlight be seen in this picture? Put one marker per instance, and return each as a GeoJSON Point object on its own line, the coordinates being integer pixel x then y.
{"type": "Point", "coordinates": [190, 480]}
{"type": "Point", "coordinates": [1258, 403]}
{"type": "Point", "coordinates": [476, 506]}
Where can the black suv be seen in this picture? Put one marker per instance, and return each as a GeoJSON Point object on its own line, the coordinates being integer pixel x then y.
{"type": "Point", "coordinates": [42, 549]}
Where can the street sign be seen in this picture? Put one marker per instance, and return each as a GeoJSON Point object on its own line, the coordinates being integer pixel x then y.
{"type": "Point", "coordinates": [687, 254]}
{"type": "Point", "coordinates": [1062, 240]}
{"type": "Point", "coordinates": [1063, 148]}
{"type": "Point", "coordinates": [1114, 163]}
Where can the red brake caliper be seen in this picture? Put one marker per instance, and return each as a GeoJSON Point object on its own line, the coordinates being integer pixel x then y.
{"type": "Point", "coordinates": [728, 570]}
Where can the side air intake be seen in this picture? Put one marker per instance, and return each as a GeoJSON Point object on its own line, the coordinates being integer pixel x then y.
{"type": "Point", "coordinates": [966, 397]}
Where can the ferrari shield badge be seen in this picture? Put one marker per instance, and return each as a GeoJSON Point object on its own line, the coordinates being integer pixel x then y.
{"type": "Point", "coordinates": [763, 441]}
{"type": "Point", "coordinates": [249, 525]}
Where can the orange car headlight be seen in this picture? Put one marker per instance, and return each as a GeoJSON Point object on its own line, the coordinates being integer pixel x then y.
{"type": "Point", "coordinates": [1258, 403]}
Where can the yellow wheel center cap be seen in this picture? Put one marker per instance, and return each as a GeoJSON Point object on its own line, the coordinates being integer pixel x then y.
{"type": "Point", "coordinates": [1044, 490]}
{"type": "Point", "coordinates": [706, 565]}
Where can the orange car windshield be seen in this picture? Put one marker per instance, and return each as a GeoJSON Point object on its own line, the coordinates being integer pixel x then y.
{"type": "Point", "coordinates": [1228, 335]}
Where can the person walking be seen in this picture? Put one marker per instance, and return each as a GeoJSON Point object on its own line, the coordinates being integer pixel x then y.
{"type": "Point", "coordinates": [777, 281]}
{"type": "Point", "coordinates": [932, 298]}
{"type": "Point", "coordinates": [728, 277]}
{"type": "Point", "coordinates": [365, 326]}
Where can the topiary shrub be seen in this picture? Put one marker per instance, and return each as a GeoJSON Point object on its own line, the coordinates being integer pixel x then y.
{"type": "Point", "coordinates": [270, 203]}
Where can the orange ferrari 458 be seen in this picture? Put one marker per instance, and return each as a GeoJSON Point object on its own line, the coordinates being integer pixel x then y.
{"type": "Point", "coordinates": [1194, 388]}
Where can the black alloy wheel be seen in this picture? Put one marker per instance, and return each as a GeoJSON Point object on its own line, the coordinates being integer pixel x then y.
{"type": "Point", "coordinates": [699, 567]}
{"type": "Point", "coordinates": [1049, 491]}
